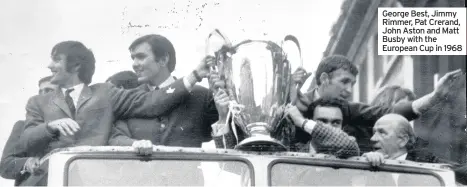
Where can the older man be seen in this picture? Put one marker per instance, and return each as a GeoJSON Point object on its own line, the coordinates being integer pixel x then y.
{"type": "Point", "coordinates": [395, 139]}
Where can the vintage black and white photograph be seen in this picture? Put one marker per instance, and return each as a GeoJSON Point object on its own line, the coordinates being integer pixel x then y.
{"type": "Point", "coordinates": [232, 93]}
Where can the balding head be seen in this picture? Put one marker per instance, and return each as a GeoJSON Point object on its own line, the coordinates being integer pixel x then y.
{"type": "Point", "coordinates": [393, 134]}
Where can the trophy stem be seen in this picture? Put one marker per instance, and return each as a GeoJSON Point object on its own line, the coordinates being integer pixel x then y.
{"type": "Point", "coordinates": [260, 139]}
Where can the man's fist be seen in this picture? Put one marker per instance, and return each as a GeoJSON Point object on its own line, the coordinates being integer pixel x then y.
{"type": "Point", "coordinates": [203, 66]}
{"type": "Point", "coordinates": [294, 114]}
{"type": "Point", "coordinates": [449, 83]}
{"type": "Point", "coordinates": [216, 82]}
{"type": "Point", "coordinates": [300, 76]}
{"type": "Point", "coordinates": [32, 165]}
{"type": "Point", "coordinates": [222, 104]}
{"type": "Point", "coordinates": [65, 126]}
{"type": "Point", "coordinates": [143, 147]}
{"type": "Point", "coordinates": [375, 158]}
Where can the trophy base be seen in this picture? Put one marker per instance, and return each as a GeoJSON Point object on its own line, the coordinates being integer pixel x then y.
{"type": "Point", "coordinates": [261, 144]}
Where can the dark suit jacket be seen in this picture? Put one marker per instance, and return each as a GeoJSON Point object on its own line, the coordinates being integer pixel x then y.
{"type": "Point", "coordinates": [419, 154]}
{"type": "Point", "coordinates": [360, 120]}
{"type": "Point", "coordinates": [188, 125]}
{"type": "Point", "coordinates": [12, 163]}
{"type": "Point", "coordinates": [98, 107]}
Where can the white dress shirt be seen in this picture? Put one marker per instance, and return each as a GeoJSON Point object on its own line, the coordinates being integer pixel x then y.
{"type": "Point", "coordinates": [75, 93]}
{"type": "Point", "coordinates": [166, 83]}
{"type": "Point", "coordinates": [396, 176]}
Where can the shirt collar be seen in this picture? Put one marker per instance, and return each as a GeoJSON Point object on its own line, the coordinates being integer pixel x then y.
{"type": "Point", "coordinates": [75, 93]}
{"type": "Point", "coordinates": [317, 96]}
{"type": "Point", "coordinates": [402, 157]}
{"type": "Point", "coordinates": [167, 82]}
{"type": "Point", "coordinates": [76, 89]}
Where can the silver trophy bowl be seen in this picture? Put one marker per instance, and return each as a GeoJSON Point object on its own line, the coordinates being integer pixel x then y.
{"type": "Point", "coordinates": [258, 79]}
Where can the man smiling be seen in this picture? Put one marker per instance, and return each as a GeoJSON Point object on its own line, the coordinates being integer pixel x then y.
{"type": "Point", "coordinates": [83, 114]}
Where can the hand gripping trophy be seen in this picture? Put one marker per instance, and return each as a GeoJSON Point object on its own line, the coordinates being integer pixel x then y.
{"type": "Point", "coordinates": [259, 90]}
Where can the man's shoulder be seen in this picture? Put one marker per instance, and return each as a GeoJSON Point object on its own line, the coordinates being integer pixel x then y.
{"type": "Point", "coordinates": [101, 89]}
{"type": "Point", "coordinates": [422, 155]}
{"type": "Point", "coordinates": [40, 99]}
{"type": "Point", "coordinates": [100, 86]}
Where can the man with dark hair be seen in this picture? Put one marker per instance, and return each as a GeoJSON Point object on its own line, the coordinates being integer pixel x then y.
{"type": "Point", "coordinates": [124, 80]}
{"type": "Point", "coordinates": [45, 86]}
{"type": "Point", "coordinates": [325, 136]}
{"type": "Point", "coordinates": [83, 114]}
{"type": "Point", "coordinates": [20, 165]}
{"type": "Point", "coordinates": [336, 76]}
{"type": "Point", "coordinates": [395, 139]}
{"type": "Point", "coordinates": [187, 125]}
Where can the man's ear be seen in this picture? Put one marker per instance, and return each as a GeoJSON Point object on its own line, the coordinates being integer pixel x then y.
{"type": "Point", "coordinates": [403, 140]}
{"type": "Point", "coordinates": [324, 78]}
{"type": "Point", "coordinates": [164, 61]}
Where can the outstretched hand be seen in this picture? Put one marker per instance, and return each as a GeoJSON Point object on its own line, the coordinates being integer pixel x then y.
{"type": "Point", "coordinates": [449, 83]}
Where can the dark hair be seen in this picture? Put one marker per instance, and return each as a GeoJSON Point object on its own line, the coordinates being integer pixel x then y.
{"type": "Point", "coordinates": [333, 63]}
{"type": "Point", "coordinates": [44, 79]}
{"type": "Point", "coordinates": [160, 47]}
{"type": "Point", "coordinates": [124, 79]}
{"type": "Point", "coordinates": [76, 54]}
{"type": "Point", "coordinates": [392, 94]}
{"type": "Point", "coordinates": [330, 102]}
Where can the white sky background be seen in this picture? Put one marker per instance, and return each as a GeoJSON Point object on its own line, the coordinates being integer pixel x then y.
{"type": "Point", "coordinates": [29, 29]}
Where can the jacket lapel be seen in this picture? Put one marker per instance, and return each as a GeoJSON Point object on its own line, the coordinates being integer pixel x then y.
{"type": "Point", "coordinates": [59, 100]}
{"type": "Point", "coordinates": [85, 95]}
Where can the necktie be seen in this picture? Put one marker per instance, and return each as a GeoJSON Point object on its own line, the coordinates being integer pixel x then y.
{"type": "Point", "coordinates": [69, 102]}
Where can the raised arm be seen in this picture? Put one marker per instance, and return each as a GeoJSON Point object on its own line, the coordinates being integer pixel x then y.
{"type": "Point", "coordinates": [135, 103]}
{"type": "Point", "coordinates": [140, 104]}
{"type": "Point", "coordinates": [326, 139]}
{"type": "Point", "coordinates": [331, 140]}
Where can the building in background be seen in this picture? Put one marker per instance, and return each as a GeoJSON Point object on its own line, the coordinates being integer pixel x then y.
{"type": "Point", "coordinates": [355, 35]}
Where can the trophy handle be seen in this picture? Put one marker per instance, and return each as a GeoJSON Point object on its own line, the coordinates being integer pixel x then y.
{"type": "Point", "coordinates": [218, 53]}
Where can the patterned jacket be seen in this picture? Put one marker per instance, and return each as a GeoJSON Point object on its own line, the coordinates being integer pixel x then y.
{"type": "Point", "coordinates": [326, 140]}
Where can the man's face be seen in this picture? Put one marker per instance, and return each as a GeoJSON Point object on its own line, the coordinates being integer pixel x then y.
{"type": "Point", "coordinates": [331, 116]}
{"type": "Point", "coordinates": [144, 63]}
{"type": "Point", "coordinates": [385, 137]}
{"type": "Point", "coordinates": [46, 87]}
{"type": "Point", "coordinates": [340, 84]}
{"type": "Point", "coordinates": [58, 68]}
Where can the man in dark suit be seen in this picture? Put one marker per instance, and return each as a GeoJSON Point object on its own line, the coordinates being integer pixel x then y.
{"type": "Point", "coordinates": [395, 139]}
{"type": "Point", "coordinates": [82, 114]}
{"type": "Point", "coordinates": [20, 166]}
{"type": "Point", "coordinates": [187, 125]}
{"type": "Point", "coordinates": [335, 77]}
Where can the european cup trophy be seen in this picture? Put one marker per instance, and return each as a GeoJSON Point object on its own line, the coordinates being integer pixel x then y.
{"type": "Point", "coordinates": [257, 75]}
